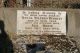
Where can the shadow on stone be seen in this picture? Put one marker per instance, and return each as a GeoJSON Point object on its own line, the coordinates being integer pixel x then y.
{"type": "Point", "coordinates": [6, 45]}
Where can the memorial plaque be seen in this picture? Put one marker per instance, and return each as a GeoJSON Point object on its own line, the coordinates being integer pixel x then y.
{"type": "Point", "coordinates": [41, 22]}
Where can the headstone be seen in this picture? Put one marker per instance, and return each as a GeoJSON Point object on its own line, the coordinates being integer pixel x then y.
{"type": "Point", "coordinates": [41, 22]}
